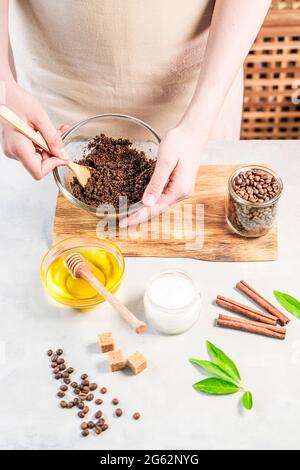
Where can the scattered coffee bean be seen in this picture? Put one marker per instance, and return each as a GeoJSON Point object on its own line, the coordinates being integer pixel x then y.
{"type": "Point", "coordinates": [81, 414]}
{"type": "Point", "coordinates": [54, 357]}
{"type": "Point", "coordinates": [115, 401]}
{"type": "Point", "coordinates": [76, 401]}
{"type": "Point", "coordinates": [93, 387]}
{"type": "Point", "coordinates": [54, 365]}
{"type": "Point", "coordinates": [56, 370]}
{"type": "Point", "coordinates": [59, 352]}
{"type": "Point", "coordinates": [58, 376]}
{"type": "Point", "coordinates": [65, 375]}
{"type": "Point", "coordinates": [77, 391]}
{"type": "Point", "coordinates": [63, 404]}
{"type": "Point", "coordinates": [82, 396]}
{"type": "Point", "coordinates": [86, 389]}
{"type": "Point", "coordinates": [90, 397]}
{"type": "Point", "coordinates": [91, 424]}
{"type": "Point", "coordinates": [49, 352]}
{"type": "Point", "coordinates": [62, 367]}
{"type": "Point", "coordinates": [80, 405]}
{"type": "Point", "coordinates": [85, 383]}
{"type": "Point", "coordinates": [70, 404]}
{"type": "Point", "coordinates": [100, 422]}
{"type": "Point", "coordinates": [81, 387]}
{"type": "Point", "coordinates": [98, 401]}
{"type": "Point", "coordinates": [60, 394]}
{"type": "Point", "coordinates": [98, 415]}
{"type": "Point", "coordinates": [104, 427]}
{"type": "Point", "coordinates": [67, 381]}
{"type": "Point", "coordinates": [119, 412]}
{"type": "Point", "coordinates": [103, 390]}
{"type": "Point", "coordinates": [97, 430]}
{"type": "Point", "coordinates": [85, 433]}
{"type": "Point", "coordinates": [86, 409]}
{"type": "Point", "coordinates": [136, 415]}
{"type": "Point", "coordinates": [70, 370]}
{"type": "Point", "coordinates": [84, 426]}
{"type": "Point", "coordinates": [60, 360]}
{"type": "Point", "coordinates": [64, 388]}
{"type": "Point", "coordinates": [74, 384]}
{"type": "Point", "coordinates": [84, 376]}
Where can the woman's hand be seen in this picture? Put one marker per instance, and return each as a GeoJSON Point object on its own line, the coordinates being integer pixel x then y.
{"type": "Point", "coordinates": [174, 176]}
{"type": "Point", "coordinates": [18, 147]}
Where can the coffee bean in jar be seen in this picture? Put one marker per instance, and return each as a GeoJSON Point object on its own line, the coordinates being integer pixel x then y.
{"type": "Point", "coordinates": [253, 195]}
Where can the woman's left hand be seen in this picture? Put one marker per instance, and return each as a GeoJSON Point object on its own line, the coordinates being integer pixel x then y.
{"type": "Point", "coordinates": [174, 176]}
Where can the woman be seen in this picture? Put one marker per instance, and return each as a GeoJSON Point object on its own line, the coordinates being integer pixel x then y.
{"type": "Point", "coordinates": [173, 63]}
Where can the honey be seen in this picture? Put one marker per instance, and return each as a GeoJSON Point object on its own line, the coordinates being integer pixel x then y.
{"type": "Point", "coordinates": [78, 292]}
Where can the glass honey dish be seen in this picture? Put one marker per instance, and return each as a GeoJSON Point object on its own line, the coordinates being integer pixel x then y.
{"type": "Point", "coordinates": [106, 261]}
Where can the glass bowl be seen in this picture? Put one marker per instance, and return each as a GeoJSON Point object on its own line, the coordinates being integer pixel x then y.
{"type": "Point", "coordinates": [104, 255]}
{"type": "Point", "coordinates": [76, 140]}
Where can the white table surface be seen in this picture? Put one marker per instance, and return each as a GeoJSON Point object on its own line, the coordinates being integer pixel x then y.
{"type": "Point", "coordinates": [174, 416]}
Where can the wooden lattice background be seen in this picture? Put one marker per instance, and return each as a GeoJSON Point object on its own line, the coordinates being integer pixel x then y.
{"type": "Point", "coordinates": [272, 77]}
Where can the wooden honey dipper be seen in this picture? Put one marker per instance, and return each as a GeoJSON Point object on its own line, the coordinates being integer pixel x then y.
{"type": "Point", "coordinates": [79, 268]}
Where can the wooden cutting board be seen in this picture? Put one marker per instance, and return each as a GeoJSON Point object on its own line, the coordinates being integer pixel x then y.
{"type": "Point", "coordinates": [204, 235]}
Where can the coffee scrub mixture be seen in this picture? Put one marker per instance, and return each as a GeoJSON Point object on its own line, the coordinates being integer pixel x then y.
{"type": "Point", "coordinates": [118, 170]}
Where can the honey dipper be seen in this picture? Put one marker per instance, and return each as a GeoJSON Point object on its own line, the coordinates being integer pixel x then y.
{"type": "Point", "coordinates": [81, 172]}
{"type": "Point", "coordinates": [79, 267]}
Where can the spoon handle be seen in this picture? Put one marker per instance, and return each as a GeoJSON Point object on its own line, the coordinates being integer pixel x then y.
{"type": "Point", "coordinates": [9, 116]}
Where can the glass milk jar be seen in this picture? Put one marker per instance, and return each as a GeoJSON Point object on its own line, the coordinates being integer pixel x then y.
{"type": "Point", "coordinates": [172, 302]}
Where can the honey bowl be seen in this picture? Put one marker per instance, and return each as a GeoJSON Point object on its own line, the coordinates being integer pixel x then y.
{"type": "Point", "coordinates": [106, 261]}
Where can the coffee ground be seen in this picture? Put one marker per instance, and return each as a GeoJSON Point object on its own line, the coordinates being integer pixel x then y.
{"type": "Point", "coordinates": [118, 170]}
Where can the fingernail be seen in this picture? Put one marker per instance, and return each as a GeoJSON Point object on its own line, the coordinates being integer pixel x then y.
{"type": "Point", "coordinates": [149, 199]}
{"type": "Point", "coordinates": [63, 154]}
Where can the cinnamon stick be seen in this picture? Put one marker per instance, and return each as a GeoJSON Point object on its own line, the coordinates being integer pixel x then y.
{"type": "Point", "coordinates": [246, 311]}
{"type": "Point", "coordinates": [244, 325]}
{"type": "Point", "coordinates": [260, 300]}
{"type": "Point", "coordinates": [277, 329]}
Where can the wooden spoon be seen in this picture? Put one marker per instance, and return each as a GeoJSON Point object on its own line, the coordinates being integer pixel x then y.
{"type": "Point", "coordinates": [79, 267]}
{"type": "Point", "coordinates": [81, 172]}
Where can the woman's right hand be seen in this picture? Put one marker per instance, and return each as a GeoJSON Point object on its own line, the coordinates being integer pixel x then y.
{"type": "Point", "coordinates": [18, 147]}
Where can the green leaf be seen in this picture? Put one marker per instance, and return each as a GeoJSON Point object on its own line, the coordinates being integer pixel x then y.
{"type": "Point", "coordinates": [223, 361]}
{"type": "Point", "coordinates": [212, 368]}
{"type": "Point", "coordinates": [247, 400]}
{"type": "Point", "coordinates": [288, 302]}
{"type": "Point", "coordinates": [215, 386]}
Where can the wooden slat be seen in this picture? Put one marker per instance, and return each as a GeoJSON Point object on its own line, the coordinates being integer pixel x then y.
{"type": "Point", "coordinates": [274, 61]}
{"type": "Point", "coordinates": [270, 114]}
{"type": "Point", "coordinates": [282, 18]}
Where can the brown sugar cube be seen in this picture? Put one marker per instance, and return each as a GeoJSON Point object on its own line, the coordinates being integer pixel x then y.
{"type": "Point", "coordinates": [106, 342]}
{"type": "Point", "coordinates": [137, 362]}
{"type": "Point", "coordinates": [116, 360]}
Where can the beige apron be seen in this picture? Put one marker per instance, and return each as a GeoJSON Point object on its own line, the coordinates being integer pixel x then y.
{"type": "Point", "coordinates": [138, 57]}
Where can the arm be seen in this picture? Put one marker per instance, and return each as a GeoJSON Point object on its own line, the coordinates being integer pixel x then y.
{"type": "Point", "coordinates": [15, 145]}
{"type": "Point", "coordinates": [235, 24]}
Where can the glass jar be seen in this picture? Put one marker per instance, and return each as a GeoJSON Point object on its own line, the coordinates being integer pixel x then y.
{"type": "Point", "coordinates": [172, 302]}
{"type": "Point", "coordinates": [248, 218]}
